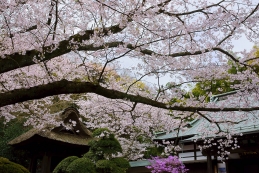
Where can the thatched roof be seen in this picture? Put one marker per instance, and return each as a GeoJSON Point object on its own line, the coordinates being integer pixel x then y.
{"type": "Point", "coordinates": [78, 134]}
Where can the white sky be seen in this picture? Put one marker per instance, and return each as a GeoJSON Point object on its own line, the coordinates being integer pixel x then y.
{"type": "Point", "coordinates": [241, 44]}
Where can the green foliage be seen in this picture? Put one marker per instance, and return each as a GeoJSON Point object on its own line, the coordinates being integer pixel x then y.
{"type": "Point", "coordinates": [104, 164]}
{"type": "Point", "coordinates": [219, 86]}
{"type": "Point", "coordinates": [89, 155]}
{"type": "Point", "coordinates": [73, 164]}
{"type": "Point", "coordinates": [214, 86]}
{"type": "Point", "coordinates": [62, 166]}
{"type": "Point", "coordinates": [121, 162]}
{"type": "Point", "coordinates": [100, 131]}
{"type": "Point", "coordinates": [106, 146]}
{"type": "Point", "coordinates": [98, 158]}
{"type": "Point", "coordinates": [152, 152]}
{"type": "Point", "coordinates": [7, 166]}
{"type": "Point", "coordinates": [8, 132]}
{"type": "Point", "coordinates": [253, 63]}
{"type": "Point", "coordinates": [81, 165]}
{"type": "Point", "coordinates": [115, 165]}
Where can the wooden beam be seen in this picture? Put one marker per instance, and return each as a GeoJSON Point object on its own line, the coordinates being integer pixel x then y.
{"type": "Point", "coordinates": [33, 164]}
{"type": "Point", "coordinates": [195, 154]}
{"type": "Point", "coordinates": [46, 161]}
{"type": "Point", "coordinates": [209, 163]}
{"type": "Point", "coordinates": [226, 163]}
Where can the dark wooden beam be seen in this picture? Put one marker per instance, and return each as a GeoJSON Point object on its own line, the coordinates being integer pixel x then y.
{"type": "Point", "coordinates": [209, 163]}
{"type": "Point", "coordinates": [195, 154]}
{"type": "Point", "coordinates": [33, 164]}
{"type": "Point", "coordinates": [46, 161]}
{"type": "Point", "coordinates": [226, 163]}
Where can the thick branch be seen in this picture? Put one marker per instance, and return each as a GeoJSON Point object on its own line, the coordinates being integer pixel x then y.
{"type": "Point", "coordinates": [69, 87]}
{"type": "Point", "coordinates": [17, 60]}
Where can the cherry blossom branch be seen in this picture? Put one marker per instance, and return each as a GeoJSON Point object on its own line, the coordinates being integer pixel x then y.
{"type": "Point", "coordinates": [10, 32]}
{"type": "Point", "coordinates": [70, 87]}
{"type": "Point", "coordinates": [56, 20]}
{"type": "Point", "coordinates": [201, 10]}
{"type": "Point", "coordinates": [209, 120]}
{"type": "Point", "coordinates": [52, 51]}
{"type": "Point", "coordinates": [24, 31]}
{"type": "Point", "coordinates": [64, 47]}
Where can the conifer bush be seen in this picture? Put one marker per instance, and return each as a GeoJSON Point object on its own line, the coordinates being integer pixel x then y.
{"type": "Point", "coordinates": [81, 165]}
{"type": "Point", "coordinates": [105, 146]}
{"type": "Point", "coordinates": [6, 166]}
{"type": "Point", "coordinates": [100, 157]}
{"type": "Point", "coordinates": [62, 166]}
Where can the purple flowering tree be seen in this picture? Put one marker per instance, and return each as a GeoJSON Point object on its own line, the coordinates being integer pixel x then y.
{"type": "Point", "coordinates": [167, 165]}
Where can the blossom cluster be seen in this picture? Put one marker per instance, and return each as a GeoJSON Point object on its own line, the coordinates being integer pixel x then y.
{"type": "Point", "coordinates": [171, 164]}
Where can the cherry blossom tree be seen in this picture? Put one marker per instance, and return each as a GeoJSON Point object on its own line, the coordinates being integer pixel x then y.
{"type": "Point", "coordinates": [58, 48]}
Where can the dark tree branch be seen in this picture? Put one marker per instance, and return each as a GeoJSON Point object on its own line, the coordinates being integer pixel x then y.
{"type": "Point", "coordinates": [205, 117]}
{"type": "Point", "coordinates": [56, 20]}
{"type": "Point", "coordinates": [70, 87]}
{"type": "Point", "coordinates": [65, 46]}
{"type": "Point", "coordinates": [16, 60]}
{"type": "Point", "coordinates": [24, 31]}
{"type": "Point", "coordinates": [50, 13]}
{"type": "Point", "coordinates": [9, 29]}
{"type": "Point", "coordinates": [190, 12]}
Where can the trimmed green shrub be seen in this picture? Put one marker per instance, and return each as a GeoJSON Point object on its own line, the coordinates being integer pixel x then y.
{"type": "Point", "coordinates": [106, 146]}
{"type": "Point", "coordinates": [98, 132]}
{"type": "Point", "coordinates": [115, 165]}
{"type": "Point", "coordinates": [105, 164]}
{"type": "Point", "coordinates": [121, 162]}
{"type": "Point", "coordinates": [62, 166]}
{"type": "Point", "coordinates": [89, 155]}
{"type": "Point", "coordinates": [7, 166]}
{"type": "Point", "coordinates": [81, 165]}
{"type": "Point", "coordinates": [99, 158]}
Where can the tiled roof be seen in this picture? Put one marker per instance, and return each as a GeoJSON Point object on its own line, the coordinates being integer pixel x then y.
{"type": "Point", "coordinates": [139, 163]}
{"type": "Point", "coordinates": [82, 136]}
{"type": "Point", "coordinates": [249, 125]}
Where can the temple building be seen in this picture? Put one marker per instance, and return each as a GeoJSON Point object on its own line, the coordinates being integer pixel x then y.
{"type": "Point", "coordinates": [48, 146]}
{"type": "Point", "coordinates": [244, 149]}
{"type": "Point", "coordinates": [243, 146]}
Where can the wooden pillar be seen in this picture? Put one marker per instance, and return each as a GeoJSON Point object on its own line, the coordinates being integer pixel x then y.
{"type": "Point", "coordinates": [195, 152]}
{"type": "Point", "coordinates": [227, 166]}
{"type": "Point", "coordinates": [209, 163]}
{"type": "Point", "coordinates": [33, 165]}
{"type": "Point", "coordinates": [216, 164]}
{"type": "Point", "coordinates": [46, 161]}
